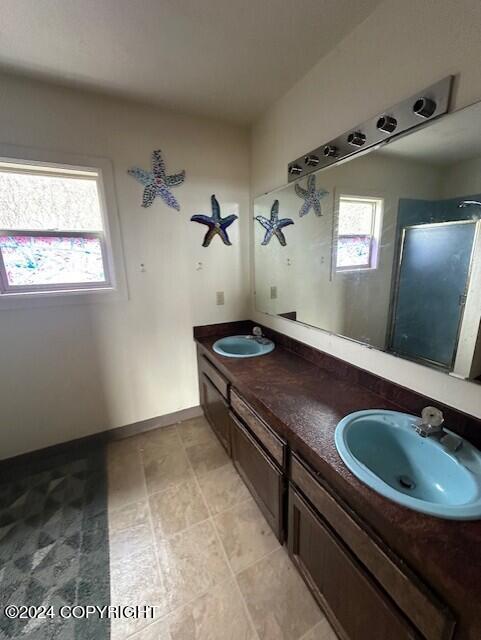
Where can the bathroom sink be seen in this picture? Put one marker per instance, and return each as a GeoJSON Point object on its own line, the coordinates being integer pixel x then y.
{"type": "Point", "coordinates": [243, 346]}
{"type": "Point", "coordinates": [384, 451]}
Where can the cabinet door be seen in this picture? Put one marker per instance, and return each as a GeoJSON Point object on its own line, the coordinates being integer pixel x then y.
{"type": "Point", "coordinates": [216, 411]}
{"type": "Point", "coordinates": [214, 375]}
{"type": "Point", "coordinates": [262, 478]}
{"type": "Point", "coordinates": [356, 607]}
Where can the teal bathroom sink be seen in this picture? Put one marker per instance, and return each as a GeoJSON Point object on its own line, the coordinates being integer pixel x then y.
{"type": "Point", "coordinates": [243, 346]}
{"type": "Point", "coordinates": [384, 451]}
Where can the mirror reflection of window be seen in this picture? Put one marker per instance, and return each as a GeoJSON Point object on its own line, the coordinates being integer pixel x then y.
{"type": "Point", "coordinates": [358, 233]}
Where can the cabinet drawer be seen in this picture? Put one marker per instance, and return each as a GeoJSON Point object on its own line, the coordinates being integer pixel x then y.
{"type": "Point", "coordinates": [273, 444]}
{"type": "Point", "coordinates": [263, 479]}
{"type": "Point", "coordinates": [216, 411]}
{"type": "Point", "coordinates": [353, 602]}
{"type": "Point", "coordinates": [215, 376]}
{"type": "Point", "coordinates": [433, 619]}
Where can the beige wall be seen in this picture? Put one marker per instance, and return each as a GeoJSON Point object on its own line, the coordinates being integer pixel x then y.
{"type": "Point", "coordinates": [400, 48]}
{"type": "Point", "coordinates": [70, 370]}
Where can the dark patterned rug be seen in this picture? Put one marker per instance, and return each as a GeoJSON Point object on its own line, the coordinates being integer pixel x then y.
{"type": "Point", "coordinates": [54, 547]}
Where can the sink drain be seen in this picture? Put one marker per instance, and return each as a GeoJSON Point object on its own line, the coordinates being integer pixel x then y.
{"type": "Point", "coordinates": [406, 482]}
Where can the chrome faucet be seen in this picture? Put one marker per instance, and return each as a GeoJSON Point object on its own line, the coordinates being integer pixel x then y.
{"type": "Point", "coordinates": [431, 424]}
{"type": "Point", "coordinates": [258, 336]}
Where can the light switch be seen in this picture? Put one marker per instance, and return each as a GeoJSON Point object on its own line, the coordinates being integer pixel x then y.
{"type": "Point", "coordinates": [273, 293]}
{"type": "Point", "coordinates": [219, 298]}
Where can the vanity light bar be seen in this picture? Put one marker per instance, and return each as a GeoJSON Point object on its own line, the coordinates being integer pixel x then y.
{"type": "Point", "coordinates": [406, 115]}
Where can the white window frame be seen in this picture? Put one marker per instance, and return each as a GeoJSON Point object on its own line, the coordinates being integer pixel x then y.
{"type": "Point", "coordinates": [114, 287]}
{"type": "Point", "coordinates": [375, 235]}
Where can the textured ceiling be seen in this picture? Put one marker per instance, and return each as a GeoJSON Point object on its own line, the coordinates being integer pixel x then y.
{"type": "Point", "coordinates": [224, 58]}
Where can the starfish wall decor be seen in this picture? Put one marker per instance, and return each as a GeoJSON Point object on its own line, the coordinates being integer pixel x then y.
{"type": "Point", "coordinates": [217, 225]}
{"type": "Point", "coordinates": [274, 226]}
{"type": "Point", "coordinates": [311, 196]}
{"type": "Point", "coordinates": [157, 183]}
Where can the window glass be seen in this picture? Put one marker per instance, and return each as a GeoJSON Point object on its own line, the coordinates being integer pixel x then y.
{"type": "Point", "coordinates": [41, 260]}
{"type": "Point", "coordinates": [357, 225]}
{"type": "Point", "coordinates": [355, 217]}
{"type": "Point", "coordinates": [353, 251]}
{"type": "Point", "coordinates": [49, 202]}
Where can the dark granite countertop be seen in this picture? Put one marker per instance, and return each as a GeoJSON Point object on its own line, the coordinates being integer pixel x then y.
{"type": "Point", "coordinates": [303, 403]}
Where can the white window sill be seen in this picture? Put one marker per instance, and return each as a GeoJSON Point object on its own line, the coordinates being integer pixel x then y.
{"type": "Point", "coordinates": [354, 269]}
{"type": "Point", "coordinates": [37, 299]}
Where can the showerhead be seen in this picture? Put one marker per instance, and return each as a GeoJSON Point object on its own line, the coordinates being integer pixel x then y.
{"type": "Point", "coordinates": [469, 203]}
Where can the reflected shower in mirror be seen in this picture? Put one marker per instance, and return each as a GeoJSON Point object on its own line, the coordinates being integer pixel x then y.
{"type": "Point", "coordinates": [385, 248]}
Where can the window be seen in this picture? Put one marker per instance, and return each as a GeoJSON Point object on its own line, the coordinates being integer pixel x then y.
{"type": "Point", "coordinates": [53, 231]}
{"type": "Point", "coordinates": [358, 231]}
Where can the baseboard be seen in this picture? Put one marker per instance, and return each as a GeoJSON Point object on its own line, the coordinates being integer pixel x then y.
{"type": "Point", "coordinates": [36, 461]}
{"type": "Point", "coordinates": [154, 423]}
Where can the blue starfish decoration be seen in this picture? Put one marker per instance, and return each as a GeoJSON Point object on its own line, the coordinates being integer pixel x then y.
{"type": "Point", "coordinates": [157, 183]}
{"type": "Point", "coordinates": [217, 225]}
{"type": "Point", "coordinates": [274, 226]}
{"type": "Point", "coordinates": [311, 196]}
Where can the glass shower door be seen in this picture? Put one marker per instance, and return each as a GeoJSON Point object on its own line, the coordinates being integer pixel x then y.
{"type": "Point", "coordinates": [432, 282]}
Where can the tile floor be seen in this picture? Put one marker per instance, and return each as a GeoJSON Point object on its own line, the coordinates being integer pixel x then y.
{"type": "Point", "coordinates": [186, 536]}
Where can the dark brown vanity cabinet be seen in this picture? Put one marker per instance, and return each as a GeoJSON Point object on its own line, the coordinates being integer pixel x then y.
{"type": "Point", "coordinates": [264, 480]}
{"type": "Point", "coordinates": [215, 406]}
{"type": "Point", "coordinates": [257, 452]}
{"type": "Point", "coordinates": [259, 455]}
{"type": "Point", "coordinates": [365, 589]}
{"type": "Point", "coordinates": [356, 606]}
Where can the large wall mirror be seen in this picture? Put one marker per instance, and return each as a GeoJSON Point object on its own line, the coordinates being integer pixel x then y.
{"type": "Point", "coordinates": [384, 248]}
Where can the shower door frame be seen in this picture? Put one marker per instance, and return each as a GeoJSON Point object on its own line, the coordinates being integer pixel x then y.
{"type": "Point", "coordinates": [395, 296]}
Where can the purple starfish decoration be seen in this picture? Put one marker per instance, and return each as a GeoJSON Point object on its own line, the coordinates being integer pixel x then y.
{"type": "Point", "coordinates": [274, 226]}
{"type": "Point", "coordinates": [311, 196]}
{"type": "Point", "coordinates": [157, 183]}
{"type": "Point", "coordinates": [217, 225]}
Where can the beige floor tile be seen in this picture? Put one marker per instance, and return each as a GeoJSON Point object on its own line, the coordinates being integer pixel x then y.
{"type": "Point", "coordinates": [195, 595]}
{"type": "Point", "coordinates": [125, 475]}
{"type": "Point", "coordinates": [165, 437]}
{"type": "Point", "coordinates": [164, 467]}
{"type": "Point", "coordinates": [195, 431]}
{"type": "Point", "coordinates": [135, 580]}
{"type": "Point", "coordinates": [177, 508]}
{"type": "Point", "coordinates": [156, 631]}
{"type": "Point", "coordinates": [129, 516]}
{"type": "Point", "coordinates": [217, 615]}
{"type": "Point", "coordinates": [207, 456]}
{"type": "Point", "coordinates": [245, 534]}
{"type": "Point", "coordinates": [191, 562]}
{"type": "Point", "coordinates": [124, 542]}
{"type": "Point", "coordinates": [278, 600]}
{"type": "Point", "coordinates": [223, 488]}
{"type": "Point", "coordinates": [322, 631]}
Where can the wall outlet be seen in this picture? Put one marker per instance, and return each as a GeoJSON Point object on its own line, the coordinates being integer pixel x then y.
{"type": "Point", "coordinates": [219, 298]}
{"type": "Point", "coordinates": [273, 293]}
